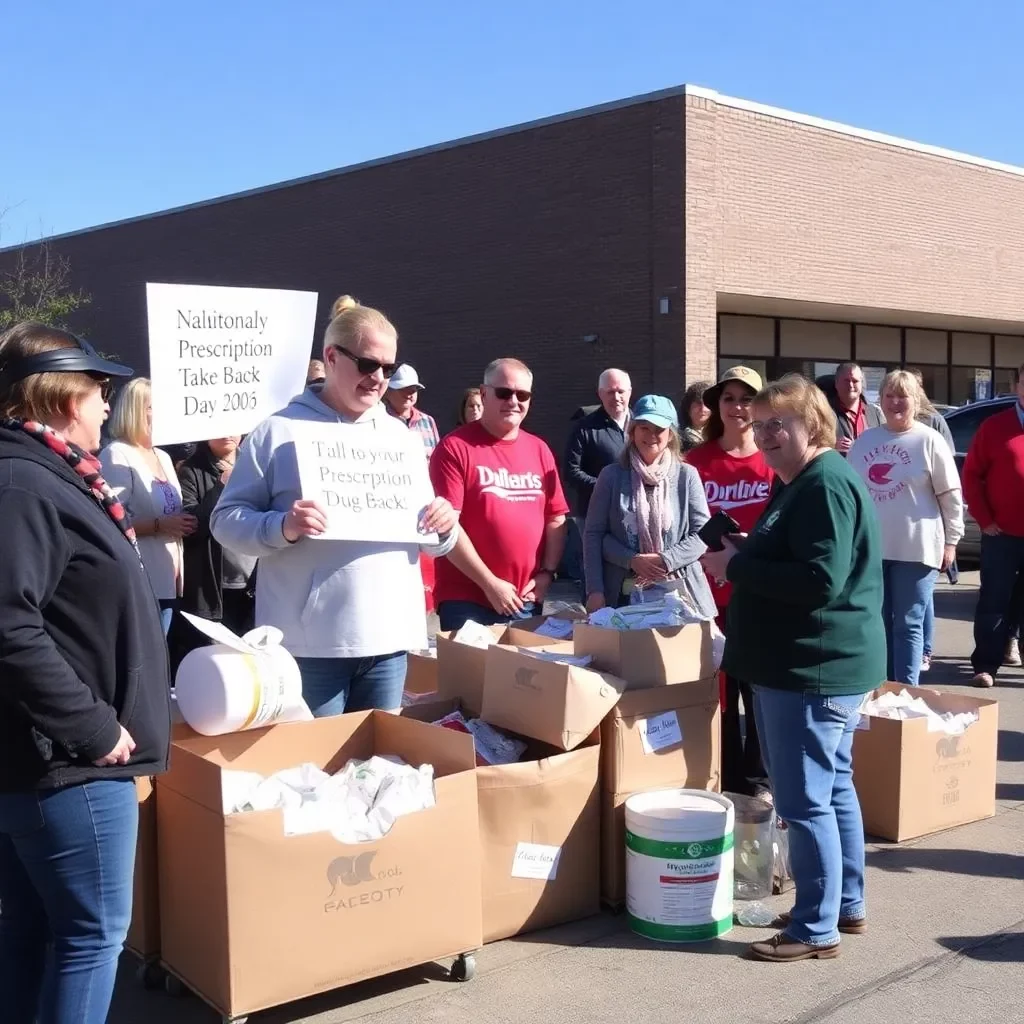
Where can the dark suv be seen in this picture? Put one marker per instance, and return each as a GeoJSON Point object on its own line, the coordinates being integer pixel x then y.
{"type": "Point", "coordinates": [963, 425]}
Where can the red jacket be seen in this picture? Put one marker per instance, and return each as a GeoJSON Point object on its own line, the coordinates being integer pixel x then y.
{"type": "Point", "coordinates": [993, 476]}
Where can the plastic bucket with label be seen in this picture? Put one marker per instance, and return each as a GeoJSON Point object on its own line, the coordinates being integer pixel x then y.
{"type": "Point", "coordinates": [679, 864]}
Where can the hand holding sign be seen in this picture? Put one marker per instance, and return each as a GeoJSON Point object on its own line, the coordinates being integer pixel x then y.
{"type": "Point", "coordinates": [304, 519]}
{"type": "Point", "coordinates": [439, 517]}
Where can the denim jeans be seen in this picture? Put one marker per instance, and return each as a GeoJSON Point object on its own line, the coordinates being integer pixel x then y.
{"type": "Point", "coordinates": [908, 589]}
{"type": "Point", "coordinates": [998, 609]}
{"type": "Point", "coordinates": [333, 686]}
{"type": "Point", "coordinates": [807, 744]}
{"type": "Point", "coordinates": [455, 614]}
{"type": "Point", "coordinates": [928, 643]}
{"type": "Point", "coordinates": [167, 610]}
{"type": "Point", "coordinates": [67, 858]}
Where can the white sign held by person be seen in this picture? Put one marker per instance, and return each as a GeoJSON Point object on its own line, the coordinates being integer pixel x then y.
{"type": "Point", "coordinates": [372, 485]}
{"type": "Point", "coordinates": [223, 359]}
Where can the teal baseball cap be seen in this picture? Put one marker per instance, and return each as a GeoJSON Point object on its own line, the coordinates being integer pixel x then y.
{"type": "Point", "coordinates": [657, 410]}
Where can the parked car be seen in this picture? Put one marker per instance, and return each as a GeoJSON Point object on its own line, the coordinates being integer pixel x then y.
{"type": "Point", "coordinates": [963, 424]}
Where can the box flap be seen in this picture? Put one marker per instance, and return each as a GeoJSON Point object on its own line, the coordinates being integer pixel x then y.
{"type": "Point", "coordinates": [636, 703]}
{"type": "Point", "coordinates": [418, 742]}
{"type": "Point", "coordinates": [650, 657]}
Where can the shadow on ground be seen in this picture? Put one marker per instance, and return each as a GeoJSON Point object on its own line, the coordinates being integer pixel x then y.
{"type": "Point", "coordinates": [1001, 948]}
{"type": "Point", "coordinates": [980, 863]}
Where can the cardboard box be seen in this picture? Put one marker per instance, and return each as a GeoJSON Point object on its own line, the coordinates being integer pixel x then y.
{"type": "Point", "coordinates": [649, 657]}
{"type": "Point", "coordinates": [912, 782]}
{"type": "Point", "coordinates": [549, 701]}
{"type": "Point", "coordinates": [460, 667]}
{"type": "Point", "coordinates": [420, 673]}
{"type": "Point", "coordinates": [668, 736]}
{"type": "Point", "coordinates": [252, 918]}
{"type": "Point", "coordinates": [144, 931]}
{"type": "Point", "coordinates": [539, 835]}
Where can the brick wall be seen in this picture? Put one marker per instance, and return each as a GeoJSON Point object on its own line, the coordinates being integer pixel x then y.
{"type": "Point", "coordinates": [520, 244]}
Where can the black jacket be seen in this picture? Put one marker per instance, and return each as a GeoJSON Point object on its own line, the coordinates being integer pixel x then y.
{"type": "Point", "coordinates": [81, 644]}
{"type": "Point", "coordinates": [204, 557]}
{"type": "Point", "coordinates": [596, 441]}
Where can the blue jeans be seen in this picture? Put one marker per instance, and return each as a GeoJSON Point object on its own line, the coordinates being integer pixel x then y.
{"type": "Point", "coordinates": [455, 614]}
{"type": "Point", "coordinates": [929, 627]}
{"type": "Point", "coordinates": [807, 745]}
{"type": "Point", "coordinates": [167, 610]}
{"type": "Point", "coordinates": [908, 590]}
{"type": "Point", "coordinates": [998, 610]}
{"type": "Point", "coordinates": [67, 858]}
{"type": "Point", "coordinates": [332, 686]}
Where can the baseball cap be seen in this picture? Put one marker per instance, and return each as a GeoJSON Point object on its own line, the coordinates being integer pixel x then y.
{"type": "Point", "coordinates": [405, 377]}
{"type": "Point", "coordinates": [657, 410]}
{"type": "Point", "coordinates": [744, 374]}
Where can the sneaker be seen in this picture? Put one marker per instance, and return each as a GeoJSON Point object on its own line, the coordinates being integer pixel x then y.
{"type": "Point", "coordinates": [926, 662]}
{"type": "Point", "coordinates": [847, 925]}
{"type": "Point", "coordinates": [1012, 655]}
{"type": "Point", "coordinates": [781, 949]}
{"type": "Point", "coordinates": [984, 680]}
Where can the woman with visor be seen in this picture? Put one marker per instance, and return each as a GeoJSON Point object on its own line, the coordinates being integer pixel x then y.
{"type": "Point", "coordinates": [84, 687]}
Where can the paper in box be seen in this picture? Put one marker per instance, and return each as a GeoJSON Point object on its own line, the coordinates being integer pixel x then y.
{"type": "Point", "coordinates": [659, 656]}
{"type": "Point", "coordinates": [550, 701]}
{"type": "Point", "coordinates": [658, 738]}
{"type": "Point", "coordinates": [252, 918]}
{"type": "Point", "coordinates": [539, 835]}
{"type": "Point", "coordinates": [912, 782]}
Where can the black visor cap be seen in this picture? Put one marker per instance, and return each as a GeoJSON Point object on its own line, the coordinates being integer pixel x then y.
{"type": "Point", "coordinates": [84, 359]}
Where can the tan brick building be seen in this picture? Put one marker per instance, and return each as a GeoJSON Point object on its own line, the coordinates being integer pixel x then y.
{"type": "Point", "coordinates": [670, 234]}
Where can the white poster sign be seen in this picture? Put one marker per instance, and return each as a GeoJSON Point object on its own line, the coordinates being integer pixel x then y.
{"type": "Point", "coordinates": [373, 485]}
{"type": "Point", "coordinates": [223, 359]}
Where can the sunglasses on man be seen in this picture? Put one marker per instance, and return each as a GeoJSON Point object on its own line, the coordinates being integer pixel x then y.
{"type": "Point", "coordinates": [505, 394]}
{"type": "Point", "coordinates": [368, 367]}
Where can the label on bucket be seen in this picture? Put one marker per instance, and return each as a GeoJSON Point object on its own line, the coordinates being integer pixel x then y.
{"type": "Point", "coordinates": [535, 860]}
{"type": "Point", "coordinates": [269, 690]}
{"type": "Point", "coordinates": [659, 732]}
{"type": "Point", "coordinates": [679, 892]}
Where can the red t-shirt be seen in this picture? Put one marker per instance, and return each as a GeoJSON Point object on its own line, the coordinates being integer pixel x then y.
{"type": "Point", "coordinates": [505, 492]}
{"type": "Point", "coordinates": [739, 486]}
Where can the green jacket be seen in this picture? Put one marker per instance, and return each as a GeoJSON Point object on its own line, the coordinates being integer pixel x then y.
{"type": "Point", "coordinates": [805, 612]}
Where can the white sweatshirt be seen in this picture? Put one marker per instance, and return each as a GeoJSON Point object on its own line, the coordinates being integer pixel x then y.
{"type": "Point", "coordinates": [915, 485]}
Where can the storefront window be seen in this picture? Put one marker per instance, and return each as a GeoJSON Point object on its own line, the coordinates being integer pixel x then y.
{"type": "Point", "coordinates": [970, 384]}
{"type": "Point", "coordinates": [936, 382]}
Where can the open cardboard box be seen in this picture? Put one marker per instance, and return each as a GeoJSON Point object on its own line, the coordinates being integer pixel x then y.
{"type": "Point", "coordinates": [421, 672]}
{"type": "Point", "coordinates": [252, 918]}
{"type": "Point", "coordinates": [912, 782]}
{"type": "Point", "coordinates": [557, 703]}
{"type": "Point", "coordinates": [539, 834]}
{"type": "Point", "coordinates": [660, 738]}
{"type": "Point", "coordinates": [660, 656]}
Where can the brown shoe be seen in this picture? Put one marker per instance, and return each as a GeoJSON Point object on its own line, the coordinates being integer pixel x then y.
{"type": "Point", "coordinates": [984, 680]}
{"type": "Point", "coordinates": [1012, 655]}
{"type": "Point", "coordinates": [847, 925]}
{"type": "Point", "coordinates": [781, 949]}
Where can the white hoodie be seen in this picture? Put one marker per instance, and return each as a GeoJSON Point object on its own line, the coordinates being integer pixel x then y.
{"type": "Point", "coordinates": [330, 598]}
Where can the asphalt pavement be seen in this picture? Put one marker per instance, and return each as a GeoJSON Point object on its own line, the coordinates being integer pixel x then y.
{"type": "Point", "coordinates": [946, 935]}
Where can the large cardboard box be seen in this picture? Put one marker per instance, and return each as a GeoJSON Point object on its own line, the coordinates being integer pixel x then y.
{"type": "Point", "coordinates": [912, 782]}
{"type": "Point", "coordinates": [144, 931]}
{"type": "Point", "coordinates": [649, 657]}
{"type": "Point", "coordinates": [668, 736]}
{"type": "Point", "coordinates": [551, 701]}
{"type": "Point", "coordinates": [252, 918]}
{"type": "Point", "coordinates": [540, 833]}
{"type": "Point", "coordinates": [421, 672]}
{"type": "Point", "coordinates": [460, 667]}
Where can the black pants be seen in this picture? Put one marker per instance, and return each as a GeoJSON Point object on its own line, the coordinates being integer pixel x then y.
{"type": "Point", "coordinates": [997, 613]}
{"type": "Point", "coordinates": [743, 769]}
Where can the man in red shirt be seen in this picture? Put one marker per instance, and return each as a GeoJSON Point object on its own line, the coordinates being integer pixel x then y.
{"type": "Point", "coordinates": [504, 484]}
{"type": "Point", "coordinates": [854, 413]}
{"type": "Point", "coordinates": [993, 482]}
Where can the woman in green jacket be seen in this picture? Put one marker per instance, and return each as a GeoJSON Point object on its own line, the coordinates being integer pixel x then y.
{"type": "Point", "coordinates": [805, 630]}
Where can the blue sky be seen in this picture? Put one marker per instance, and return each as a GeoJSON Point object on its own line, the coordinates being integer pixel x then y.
{"type": "Point", "coordinates": [119, 108]}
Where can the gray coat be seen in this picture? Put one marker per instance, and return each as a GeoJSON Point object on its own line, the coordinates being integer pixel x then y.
{"type": "Point", "coordinates": [610, 540]}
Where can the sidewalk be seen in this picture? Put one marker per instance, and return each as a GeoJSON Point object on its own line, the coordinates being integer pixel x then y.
{"type": "Point", "coordinates": [946, 936]}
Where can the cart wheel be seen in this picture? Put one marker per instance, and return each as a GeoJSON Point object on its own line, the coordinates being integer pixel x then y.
{"type": "Point", "coordinates": [464, 968]}
{"type": "Point", "coordinates": [149, 975]}
{"type": "Point", "coordinates": [173, 986]}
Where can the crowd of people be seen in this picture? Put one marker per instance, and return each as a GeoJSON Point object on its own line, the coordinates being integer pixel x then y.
{"type": "Point", "coordinates": [843, 513]}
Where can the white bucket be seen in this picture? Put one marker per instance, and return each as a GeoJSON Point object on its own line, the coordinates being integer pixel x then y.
{"type": "Point", "coordinates": [239, 684]}
{"type": "Point", "coordinates": [679, 864]}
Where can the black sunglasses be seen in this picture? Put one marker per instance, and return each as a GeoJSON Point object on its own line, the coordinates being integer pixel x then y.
{"type": "Point", "coordinates": [368, 367]}
{"type": "Point", "coordinates": [504, 394]}
{"type": "Point", "coordinates": [106, 388]}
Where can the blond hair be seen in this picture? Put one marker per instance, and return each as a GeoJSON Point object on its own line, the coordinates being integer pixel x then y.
{"type": "Point", "coordinates": [43, 397]}
{"type": "Point", "coordinates": [350, 321]}
{"type": "Point", "coordinates": [511, 363]}
{"type": "Point", "coordinates": [905, 384]}
{"type": "Point", "coordinates": [128, 417]}
{"type": "Point", "coordinates": [796, 395]}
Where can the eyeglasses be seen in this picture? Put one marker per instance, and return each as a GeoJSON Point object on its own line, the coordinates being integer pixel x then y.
{"type": "Point", "coordinates": [770, 427]}
{"type": "Point", "coordinates": [505, 394]}
{"type": "Point", "coordinates": [106, 388]}
{"type": "Point", "coordinates": [368, 367]}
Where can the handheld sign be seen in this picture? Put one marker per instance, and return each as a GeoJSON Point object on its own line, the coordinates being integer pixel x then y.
{"type": "Point", "coordinates": [372, 484]}
{"type": "Point", "coordinates": [223, 359]}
